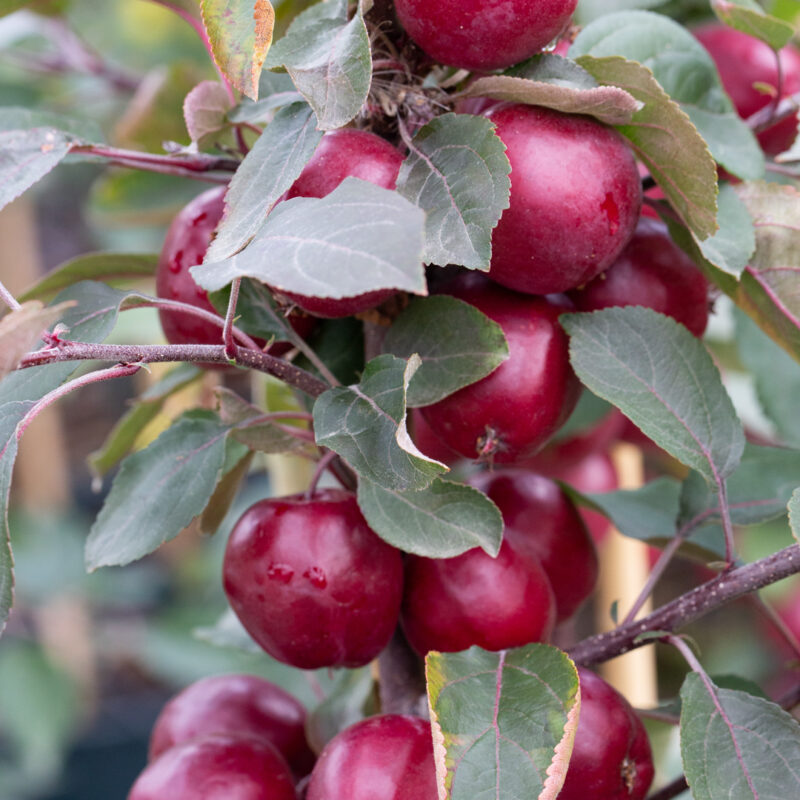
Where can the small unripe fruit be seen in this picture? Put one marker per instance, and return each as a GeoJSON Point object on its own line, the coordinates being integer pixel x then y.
{"type": "Point", "coordinates": [744, 62]}
{"type": "Point", "coordinates": [311, 583]}
{"type": "Point", "coordinates": [542, 522]}
{"type": "Point", "coordinates": [388, 757]}
{"type": "Point", "coordinates": [483, 34]}
{"type": "Point", "coordinates": [185, 246]}
{"type": "Point", "coordinates": [611, 759]}
{"type": "Point", "coordinates": [341, 154]}
{"type": "Point", "coordinates": [233, 767]}
{"type": "Point", "coordinates": [575, 199]}
{"type": "Point", "coordinates": [451, 604]}
{"type": "Point", "coordinates": [511, 413]}
{"type": "Point", "coordinates": [235, 704]}
{"type": "Point", "coordinates": [654, 272]}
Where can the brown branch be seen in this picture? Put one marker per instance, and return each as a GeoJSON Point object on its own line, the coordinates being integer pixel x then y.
{"type": "Point", "coordinates": [717, 592]}
{"type": "Point", "coordinates": [195, 353]}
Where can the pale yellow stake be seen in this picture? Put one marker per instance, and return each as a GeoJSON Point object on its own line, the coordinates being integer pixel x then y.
{"type": "Point", "coordinates": [624, 567]}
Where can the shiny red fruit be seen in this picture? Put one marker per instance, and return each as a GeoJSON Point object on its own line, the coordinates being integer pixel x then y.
{"type": "Point", "coordinates": [511, 413]}
{"type": "Point", "coordinates": [388, 758]}
{"type": "Point", "coordinates": [217, 767]}
{"type": "Point", "coordinates": [428, 442]}
{"type": "Point", "coordinates": [312, 584]}
{"type": "Point", "coordinates": [575, 199]}
{"type": "Point", "coordinates": [611, 759]}
{"type": "Point", "coordinates": [541, 521]}
{"type": "Point", "coordinates": [451, 604]}
{"type": "Point", "coordinates": [185, 246]}
{"type": "Point", "coordinates": [483, 34]}
{"type": "Point", "coordinates": [235, 704]}
{"type": "Point", "coordinates": [654, 272]}
{"type": "Point", "coordinates": [343, 154]}
{"type": "Point", "coordinates": [743, 62]}
{"type": "Point", "coordinates": [593, 474]}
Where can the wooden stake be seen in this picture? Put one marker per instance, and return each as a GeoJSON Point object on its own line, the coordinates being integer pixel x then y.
{"type": "Point", "coordinates": [624, 567]}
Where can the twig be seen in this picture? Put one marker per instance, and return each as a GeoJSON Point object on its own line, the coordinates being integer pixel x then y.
{"type": "Point", "coordinates": [693, 605]}
{"type": "Point", "coordinates": [227, 330]}
{"type": "Point", "coordinates": [195, 353]}
{"type": "Point", "coordinates": [655, 576]}
{"type": "Point", "coordinates": [120, 371]}
{"type": "Point", "coordinates": [197, 166]}
{"type": "Point", "coordinates": [8, 298]}
{"type": "Point", "coordinates": [671, 790]}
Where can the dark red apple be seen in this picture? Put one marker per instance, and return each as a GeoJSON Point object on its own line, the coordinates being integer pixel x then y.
{"type": "Point", "coordinates": [343, 154]}
{"type": "Point", "coordinates": [611, 759]}
{"type": "Point", "coordinates": [388, 757]}
{"type": "Point", "coordinates": [594, 474]}
{"type": "Point", "coordinates": [511, 413]}
{"type": "Point", "coordinates": [575, 199]}
{"type": "Point", "coordinates": [235, 704]}
{"type": "Point", "coordinates": [451, 604]}
{"type": "Point", "coordinates": [654, 272]}
{"type": "Point", "coordinates": [483, 34]}
{"type": "Point", "coordinates": [217, 767]}
{"type": "Point", "coordinates": [428, 442]}
{"type": "Point", "coordinates": [185, 246]}
{"type": "Point", "coordinates": [744, 62]}
{"type": "Point", "coordinates": [541, 521]}
{"type": "Point", "coordinates": [309, 580]}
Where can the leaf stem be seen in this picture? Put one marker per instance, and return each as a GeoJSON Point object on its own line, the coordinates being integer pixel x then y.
{"type": "Point", "coordinates": [8, 298]}
{"type": "Point", "coordinates": [119, 371]}
{"type": "Point", "coordinates": [194, 353]}
{"type": "Point", "coordinates": [197, 166]}
{"type": "Point", "coordinates": [322, 465]}
{"type": "Point", "coordinates": [727, 523]}
{"type": "Point", "coordinates": [691, 606]}
{"type": "Point", "coordinates": [227, 330]}
{"type": "Point", "coordinates": [671, 790]}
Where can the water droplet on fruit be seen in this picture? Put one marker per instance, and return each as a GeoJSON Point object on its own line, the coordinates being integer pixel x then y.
{"type": "Point", "coordinates": [611, 211]}
{"type": "Point", "coordinates": [316, 577]}
{"type": "Point", "coordinates": [199, 218]}
{"type": "Point", "coordinates": [176, 262]}
{"type": "Point", "coordinates": [280, 572]}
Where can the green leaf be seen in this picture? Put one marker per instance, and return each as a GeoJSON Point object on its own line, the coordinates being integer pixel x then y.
{"type": "Point", "coordinates": [273, 164]}
{"type": "Point", "coordinates": [794, 514]}
{"type": "Point", "coordinates": [757, 492]}
{"type": "Point", "coordinates": [555, 82]}
{"type": "Point", "coordinates": [329, 60]}
{"type": "Point", "coordinates": [19, 118]}
{"type": "Point", "coordinates": [93, 266]}
{"type": "Point", "coordinates": [666, 141]}
{"type": "Point", "coordinates": [457, 343]}
{"type": "Point", "coordinates": [589, 10]}
{"type": "Point", "coordinates": [21, 329]}
{"type": "Point", "coordinates": [359, 238]}
{"type": "Point", "coordinates": [664, 380]}
{"type": "Point", "coordinates": [240, 32]}
{"type": "Point", "coordinates": [227, 631]}
{"type": "Point", "coordinates": [648, 514]}
{"type": "Point", "coordinates": [735, 745]}
{"type": "Point", "coordinates": [221, 501]}
{"type": "Point", "coordinates": [770, 288]}
{"type": "Point", "coordinates": [26, 157]}
{"type": "Point", "coordinates": [205, 111]}
{"type": "Point", "coordinates": [748, 17]}
{"type": "Point", "coordinates": [121, 439]}
{"type": "Point", "coordinates": [159, 491]}
{"type": "Point", "coordinates": [351, 696]}
{"type": "Point", "coordinates": [457, 172]}
{"type": "Point", "coordinates": [339, 343]}
{"type": "Point", "coordinates": [686, 72]}
{"type": "Point", "coordinates": [503, 723]}
{"type": "Point", "coordinates": [441, 521]}
{"type": "Point", "coordinates": [732, 246]}
{"type": "Point", "coordinates": [776, 375]}
{"type": "Point", "coordinates": [366, 425]}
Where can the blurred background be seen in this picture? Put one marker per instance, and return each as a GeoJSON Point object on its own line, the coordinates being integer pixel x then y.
{"type": "Point", "coordinates": [88, 660]}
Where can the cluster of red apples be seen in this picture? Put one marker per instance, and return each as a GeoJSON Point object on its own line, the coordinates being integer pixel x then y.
{"type": "Point", "coordinates": [309, 580]}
